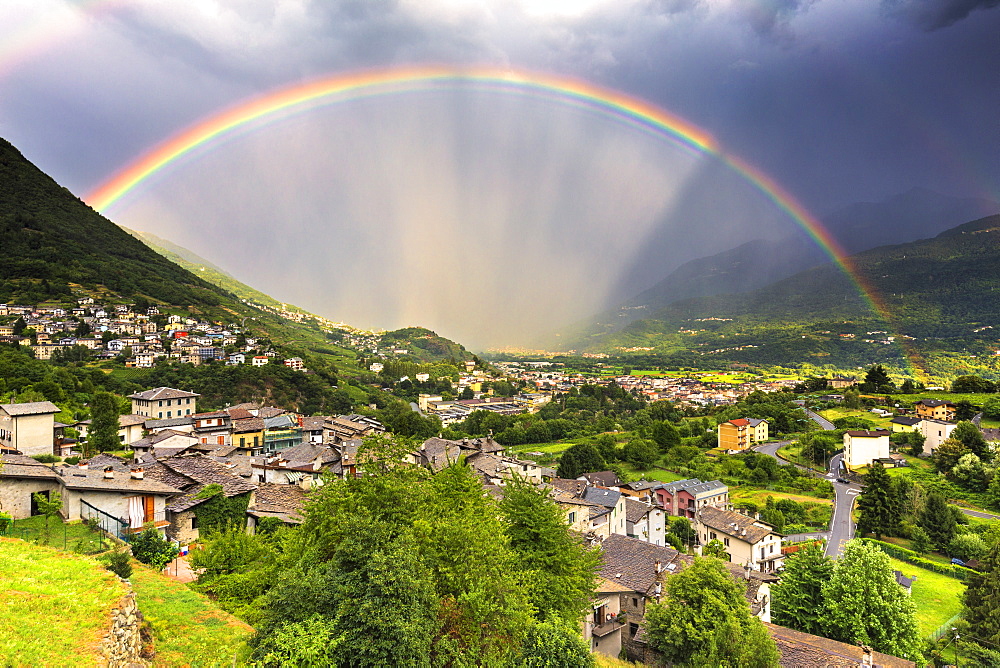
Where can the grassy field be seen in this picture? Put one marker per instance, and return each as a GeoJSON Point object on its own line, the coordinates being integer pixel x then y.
{"type": "Point", "coordinates": [56, 606]}
{"type": "Point", "coordinates": [759, 496]}
{"type": "Point", "coordinates": [70, 536]}
{"type": "Point", "coordinates": [938, 598]}
{"type": "Point", "coordinates": [188, 629]}
{"type": "Point", "coordinates": [793, 453]}
{"type": "Point", "coordinates": [613, 662]}
{"type": "Point", "coordinates": [832, 414]}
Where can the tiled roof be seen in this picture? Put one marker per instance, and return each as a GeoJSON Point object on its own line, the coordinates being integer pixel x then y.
{"type": "Point", "coordinates": [734, 524]}
{"type": "Point", "coordinates": [602, 478]}
{"type": "Point", "coordinates": [168, 422]}
{"type": "Point", "coordinates": [30, 408]}
{"type": "Point", "coordinates": [160, 436]}
{"type": "Point", "coordinates": [131, 420]}
{"type": "Point", "coordinates": [162, 393]}
{"type": "Point", "coordinates": [635, 510]}
{"type": "Point", "coordinates": [204, 471]}
{"type": "Point", "coordinates": [740, 422]}
{"type": "Point", "coordinates": [238, 413]}
{"type": "Point", "coordinates": [20, 466]}
{"type": "Point", "coordinates": [247, 425]}
{"type": "Point", "coordinates": [314, 423]}
{"type": "Point", "coordinates": [574, 487]}
{"type": "Point", "coordinates": [309, 452]}
{"type": "Point", "coordinates": [120, 481]}
{"type": "Point", "coordinates": [631, 563]}
{"type": "Point", "coordinates": [934, 403]}
{"type": "Point", "coordinates": [802, 650]}
{"type": "Point", "coordinates": [605, 497]}
{"type": "Point", "coordinates": [909, 421]}
{"type": "Point", "coordinates": [269, 497]}
{"type": "Point", "coordinates": [270, 411]}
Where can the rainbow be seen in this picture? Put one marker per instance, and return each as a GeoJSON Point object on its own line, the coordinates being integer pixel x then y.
{"type": "Point", "coordinates": [283, 102]}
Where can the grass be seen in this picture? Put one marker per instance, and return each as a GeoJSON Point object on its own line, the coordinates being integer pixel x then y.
{"type": "Point", "coordinates": [56, 606]}
{"type": "Point", "coordinates": [793, 453]}
{"type": "Point", "coordinates": [652, 474]}
{"type": "Point", "coordinates": [71, 536]}
{"type": "Point", "coordinates": [938, 598]}
{"type": "Point", "coordinates": [188, 629]}
{"type": "Point", "coordinates": [832, 414]}
{"type": "Point", "coordinates": [759, 496]}
{"type": "Point", "coordinates": [604, 661]}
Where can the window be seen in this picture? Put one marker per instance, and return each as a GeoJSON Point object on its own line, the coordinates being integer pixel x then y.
{"type": "Point", "coordinates": [635, 603]}
{"type": "Point", "coordinates": [772, 548]}
{"type": "Point", "coordinates": [168, 413]}
{"type": "Point", "coordinates": [726, 541]}
{"type": "Point", "coordinates": [160, 415]}
{"type": "Point", "coordinates": [194, 522]}
{"type": "Point", "coordinates": [243, 442]}
{"type": "Point", "coordinates": [572, 516]}
{"type": "Point", "coordinates": [633, 628]}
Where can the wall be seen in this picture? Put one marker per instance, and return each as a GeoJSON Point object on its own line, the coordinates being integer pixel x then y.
{"type": "Point", "coordinates": [122, 645]}
{"type": "Point", "coordinates": [15, 495]}
{"type": "Point", "coordinates": [33, 434]}
{"type": "Point", "coordinates": [180, 527]}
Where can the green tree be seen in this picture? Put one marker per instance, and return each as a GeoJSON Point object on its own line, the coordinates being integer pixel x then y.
{"type": "Point", "coordinates": [982, 598]}
{"type": "Point", "coordinates": [640, 453]}
{"type": "Point", "coordinates": [704, 619]}
{"type": "Point", "coordinates": [969, 435]}
{"type": "Point", "coordinates": [972, 385]}
{"type": "Point", "coordinates": [104, 425]}
{"type": "Point", "coordinates": [151, 548]}
{"type": "Point", "coordinates": [797, 601]}
{"type": "Point", "coordinates": [938, 520]}
{"type": "Point", "coordinates": [554, 644]}
{"type": "Point", "coordinates": [967, 546]}
{"type": "Point", "coordinates": [863, 604]}
{"type": "Point", "coordinates": [560, 568]}
{"type": "Point", "coordinates": [579, 459]}
{"type": "Point", "coordinates": [970, 473]}
{"type": "Point", "coordinates": [877, 380]}
{"type": "Point", "coordinates": [49, 506]}
{"type": "Point", "coordinates": [665, 435]}
{"type": "Point", "coordinates": [715, 548]}
{"type": "Point", "coordinates": [947, 454]}
{"type": "Point", "coordinates": [878, 507]}
{"type": "Point", "coordinates": [921, 542]}
{"type": "Point", "coordinates": [993, 492]}
{"type": "Point", "coordinates": [682, 529]}
{"type": "Point", "coordinates": [964, 410]}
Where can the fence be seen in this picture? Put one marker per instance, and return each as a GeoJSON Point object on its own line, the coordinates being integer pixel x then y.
{"type": "Point", "coordinates": [76, 537]}
{"type": "Point", "coordinates": [945, 628]}
{"type": "Point", "coordinates": [109, 524]}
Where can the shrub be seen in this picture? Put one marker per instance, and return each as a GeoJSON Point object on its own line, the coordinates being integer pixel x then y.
{"type": "Point", "coordinates": [151, 548]}
{"type": "Point", "coordinates": [6, 522]}
{"type": "Point", "coordinates": [119, 562]}
{"type": "Point", "coordinates": [73, 461]}
{"type": "Point", "coordinates": [45, 459]}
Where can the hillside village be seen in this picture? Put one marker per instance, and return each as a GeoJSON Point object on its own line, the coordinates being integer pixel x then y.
{"type": "Point", "coordinates": [267, 459]}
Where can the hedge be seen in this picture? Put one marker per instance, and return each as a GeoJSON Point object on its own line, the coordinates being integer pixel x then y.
{"type": "Point", "coordinates": [911, 557]}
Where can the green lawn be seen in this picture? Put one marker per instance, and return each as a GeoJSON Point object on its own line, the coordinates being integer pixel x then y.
{"type": "Point", "coordinates": [56, 606]}
{"type": "Point", "coordinates": [938, 597]}
{"type": "Point", "coordinates": [70, 536]}
{"type": "Point", "coordinates": [759, 496]}
{"type": "Point", "coordinates": [832, 414]}
{"type": "Point", "coordinates": [652, 474]}
{"type": "Point", "coordinates": [793, 453]}
{"type": "Point", "coordinates": [188, 628]}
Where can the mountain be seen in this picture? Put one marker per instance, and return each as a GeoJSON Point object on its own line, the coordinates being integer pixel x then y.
{"type": "Point", "coordinates": [940, 297]}
{"type": "Point", "coordinates": [54, 244]}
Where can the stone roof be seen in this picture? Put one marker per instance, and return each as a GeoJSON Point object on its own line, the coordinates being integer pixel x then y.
{"type": "Point", "coordinates": [631, 563]}
{"type": "Point", "coordinates": [802, 650]}
{"type": "Point", "coordinates": [236, 413]}
{"type": "Point", "coordinates": [314, 423]}
{"type": "Point", "coordinates": [278, 498]}
{"type": "Point", "coordinates": [168, 422]}
{"type": "Point", "coordinates": [247, 425]}
{"type": "Point", "coordinates": [159, 437]}
{"type": "Point", "coordinates": [270, 411]}
{"type": "Point", "coordinates": [30, 408]}
{"type": "Point", "coordinates": [635, 510]}
{"type": "Point", "coordinates": [864, 433]}
{"type": "Point", "coordinates": [131, 420]}
{"type": "Point", "coordinates": [162, 393]}
{"type": "Point", "coordinates": [437, 453]}
{"type": "Point", "coordinates": [604, 497]}
{"type": "Point", "coordinates": [694, 487]}
{"type": "Point", "coordinates": [734, 524]}
{"type": "Point", "coordinates": [574, 487]}
{"type": "Point", "coordinates": [21, 466]}
{"type": "Point", "coordinates": [120, 481]}
{"type": "Point", "coordinates": [309, 452]}
{"type": "Point", "coordinates": [602, 478]}
{"type": "Point", "coordinates": [203, 471]}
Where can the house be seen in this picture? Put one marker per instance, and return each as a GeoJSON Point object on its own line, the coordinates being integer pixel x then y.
{"type": "Point", "coordinates": [644, 521]}
{"type": "Point", "coordinates": [840, 382]}
{"type": "Point", "coordinates": [164, 402]}
{"type": "Point", "coordinates": [748, 542]}
{"type": "Point", "coordinates": [20, 478]}
{"type": "Point", "coordinates": [683, 498]}
{"type": "Point", "coordinates": [248, 434]}
{"type": "Point", "coordinates": [902, 424]}
{"type": "Point", "coordinates": [130, 428]}
{"type": "Point", "coordinates": [606, 479]}
{"type": "Point", "coordinates": [295, 363]}
{"type": "Point", "coordinates": [935, 433]}
{"type": "Point", "coordinates": [163, 441]}
{"type": "Point", "coordinates": [284, 502]}
{"type": "Point", "coordinates": [259, 360]}
{"type": "Point", "coordinates": [735, 435]}
{"type": "Point", "coordinates": [214, 427]}
{"type": "Point", "coordinates": [126, 495]}
{"type": "Point", "coordinates": [862, 447]}
{"type": "Point", "coordinates": [607, 512]}
{"type": "Point", "coordinates": [758, 430]}
{"type": "Point", "coordinates": [640, 489]}
{"type": "Point", "coordinates": [28, 427]}
{"type": "Point", "coordinates": [936, 409]}
{"type": "Point", "coordinates": [185, 424]}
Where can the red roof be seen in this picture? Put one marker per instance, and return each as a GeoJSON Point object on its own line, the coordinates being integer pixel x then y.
{"type": "Point", "coordinates": [740, 422]}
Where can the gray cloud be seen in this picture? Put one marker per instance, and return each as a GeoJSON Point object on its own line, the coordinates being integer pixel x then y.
{"type": "Point", "coordinates": [935, 14]}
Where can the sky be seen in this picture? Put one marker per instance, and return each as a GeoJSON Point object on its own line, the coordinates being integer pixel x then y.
{"type": "Point", "coordinates": [490, 217]}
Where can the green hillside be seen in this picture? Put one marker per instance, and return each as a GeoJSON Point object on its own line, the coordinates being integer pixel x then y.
{"type": "Point", "coordinates": [940, 292]}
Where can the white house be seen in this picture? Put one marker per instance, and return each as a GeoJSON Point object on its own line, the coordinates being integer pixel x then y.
{"type": "Point", "coordinates": [862, 447]}
{"type": "Point", "coordinates": [935, 433]}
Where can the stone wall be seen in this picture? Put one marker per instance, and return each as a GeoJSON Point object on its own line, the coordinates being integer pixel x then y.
{"type": "Point", "coordinates": [122, 645]}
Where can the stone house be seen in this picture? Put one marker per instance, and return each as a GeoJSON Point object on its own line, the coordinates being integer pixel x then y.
{"type": "Point", "coordinates": [748, 542]}
{"type": "Point", "coordinates": [164, 403]}
{"type": "Point", "coordinates": [20, 477]}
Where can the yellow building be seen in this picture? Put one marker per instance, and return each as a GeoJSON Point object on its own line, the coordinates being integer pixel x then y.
{"type": "Point", "coordinates": [936, 409]}
{"type": "Point", "coordinates": [742, 433]}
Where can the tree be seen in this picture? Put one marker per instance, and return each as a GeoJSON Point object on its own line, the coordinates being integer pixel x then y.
{"type": "Point", "coordinates": [991, 408]}
{"type": "Point", "coordinates": [969, 435]}
{"type": "Point", "coordinates": [151, 548]}
{"type": "Point", "coordinates": [967, 546]}
{"type": "Point", "coordinates": [561, 569]}
{"type": "Point", "coordinates": [877, 380]}
{"type": "Point", "coordinates": [878, 507]}
{"type": "Point", "coordinates": [797, 601]}
{"type": "Point", "coordinates": [640, 453]}
{"type": "Point", "coordinates": [863, 604]}
{"type": "Point", "coordinates": [964, 410]}
{"type": "Point", "coordinates": [947, 454]}
{"type": "Point", "coordinates": [665, 435]}
{"type": "Point", "coordinates": [579, 459]}
{"type": "Point", "coordinates": [682, 529]}
{"type": "Point", "coordinates": [554, 644]}
{"type": "Point", "coordinates": [715, 548]}
{"type": "Point", "coordinates": [970, 473]}
{"type": "Point", "coordinates": [921, 542]}
{"type": "Point", "coordinates": [104, 425]}
{"type": "Point", "coordinates": [972, 385]}
{"type": "Point", "coordinates": [982, 598]}
{"type": "Point", "coordinates": [49, 506]}
{"type": "Point", "coordinates": [993, 492]}
{"type": "Point", "coordinates": [937, 520]}
{"type": "Point", "coordinates": [704, 619]}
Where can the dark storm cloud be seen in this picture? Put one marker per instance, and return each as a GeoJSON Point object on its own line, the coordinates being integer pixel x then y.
{"type": "Point", "coordinates": [936, 14]}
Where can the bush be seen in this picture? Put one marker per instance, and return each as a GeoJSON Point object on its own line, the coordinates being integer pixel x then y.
{"type": "Point", "coordinates": [73, 461]}
{"type": "Point", "coordinates": [967, 546]}
{"type": "Point", "coordinates": [151, 548]}
{"type": "Point", "coordinates": [911, 557]}
{"type": "Point", "coordinates": [119, 562]}
{"type": "Point", "coordinates": [6, 522]}
{"type": "Point", "coordinates": [46, 459]}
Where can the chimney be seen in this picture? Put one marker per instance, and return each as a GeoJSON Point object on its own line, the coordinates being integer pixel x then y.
{"type": "Point", "coordinates": [138, 474]}
{"type": "Point", "coordinates": [658, 589]}
{"type": "Point", "coordinates": [82, 466]}
{"type": "Point", "coordinates": [659, 566]}
{"type": "Point", "coordinates": [109, 473]}
{"type": "Point", "coordinates": [866, 656]}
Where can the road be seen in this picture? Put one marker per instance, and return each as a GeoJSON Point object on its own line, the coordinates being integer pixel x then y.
{"type": "Point", "coordinates": [820, 420]}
